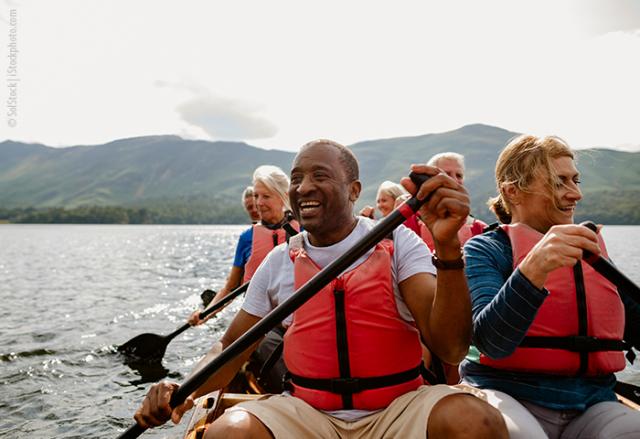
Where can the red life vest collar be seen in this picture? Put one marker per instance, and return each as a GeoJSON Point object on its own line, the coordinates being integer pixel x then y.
{"type": "Point", "coordinates": [263, 241]}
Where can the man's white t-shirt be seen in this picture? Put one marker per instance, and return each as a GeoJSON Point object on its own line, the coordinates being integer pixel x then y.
{"type": "Point", "coordinates": [272, 283]}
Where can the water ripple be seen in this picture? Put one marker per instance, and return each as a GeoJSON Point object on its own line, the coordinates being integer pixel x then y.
{"type": "Point", "coordinates": [71, 294]}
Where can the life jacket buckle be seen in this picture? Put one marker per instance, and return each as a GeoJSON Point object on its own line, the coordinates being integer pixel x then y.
{"type": "Point", "coordinates": [345, 385]}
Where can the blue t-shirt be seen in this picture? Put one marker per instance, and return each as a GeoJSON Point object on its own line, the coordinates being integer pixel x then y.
{"type": "Point", "coordinates": [503, 306]}
{"type": "Point", "coordinates": [243, 248]}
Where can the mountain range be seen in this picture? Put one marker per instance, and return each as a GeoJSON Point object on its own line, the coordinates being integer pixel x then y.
{"type": "Point", "coordinates": [144, 171]}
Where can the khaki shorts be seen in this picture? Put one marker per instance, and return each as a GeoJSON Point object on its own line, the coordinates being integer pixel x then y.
{"type": "Point", "coordinates": [406, 417]}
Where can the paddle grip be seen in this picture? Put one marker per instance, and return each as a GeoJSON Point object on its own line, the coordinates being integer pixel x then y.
{"type": "Point", "coordinates": [590, 225]}
{"type": "Point", "coordinates": [418, 179]}
{"type": "Point", "coordinates": [411, 206]}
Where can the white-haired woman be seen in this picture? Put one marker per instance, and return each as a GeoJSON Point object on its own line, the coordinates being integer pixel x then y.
{"type": "Point", "coordinates": [270, 194]}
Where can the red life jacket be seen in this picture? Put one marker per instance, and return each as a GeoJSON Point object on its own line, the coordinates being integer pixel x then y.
{"type": "Point", "coordinates": [466, 232]}
{"type": "Point", "coordinates": [348, 347]}
{"type": "Point", "coordinates": [263, 241]}
{"type": "Point", "coordinates": [582, 306]}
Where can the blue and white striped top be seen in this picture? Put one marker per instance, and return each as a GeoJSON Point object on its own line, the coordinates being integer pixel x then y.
{"type": "Point", "coordinates": [504, 304]}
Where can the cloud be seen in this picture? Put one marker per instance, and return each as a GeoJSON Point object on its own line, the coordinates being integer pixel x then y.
{"type": "Point", "coordinates": [598, 17]}
{"type": "Point", "coordinates": [220, 117]}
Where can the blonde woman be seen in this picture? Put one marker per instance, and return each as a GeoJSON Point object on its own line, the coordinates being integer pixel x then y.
{"type": "Point", "coordinates": [538, 310]}
{"type": "Point", "coordinates": [386, 196]}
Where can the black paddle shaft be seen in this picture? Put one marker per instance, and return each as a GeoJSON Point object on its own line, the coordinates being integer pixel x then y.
{"type": "Point", "coordinates": [216, 306]}
{"type": "Point", "coordinates": [610, 272]}
{"type": "Point", "coordinates": [295, 301]}
{"type": "Point", "coordinates": [152, 346]}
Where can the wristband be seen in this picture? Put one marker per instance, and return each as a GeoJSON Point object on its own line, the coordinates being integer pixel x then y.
{"type": "Point", "coordinates": [441, 264]}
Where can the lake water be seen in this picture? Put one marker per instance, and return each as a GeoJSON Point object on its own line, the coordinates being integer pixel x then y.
{"type": "Point", "coordinates": [71, 293]}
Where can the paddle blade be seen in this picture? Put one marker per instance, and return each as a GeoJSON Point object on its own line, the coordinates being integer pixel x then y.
{"type": "Point", "coordinates": [207, 296]}
{"type": "Point", "coordinates": [629, 391]}
{"type": "Point", "coordinates": [145, 346]}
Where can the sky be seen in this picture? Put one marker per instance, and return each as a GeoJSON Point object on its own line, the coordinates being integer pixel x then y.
{"type": "Point", "coordinates": [277, 74]}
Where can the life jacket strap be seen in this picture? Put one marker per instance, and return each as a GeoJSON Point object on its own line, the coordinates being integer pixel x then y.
{"type": "Point", "coordinates": [355, 385]}
{"type": "Point", "coordinates": [290, 230]}
{"type": "Point", "coordinates": [577, 343]}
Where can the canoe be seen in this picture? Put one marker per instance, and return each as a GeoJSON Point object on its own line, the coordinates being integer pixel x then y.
{"type": "Point", "coordinates": [245, 387]}
{"type": "Point", "coordinates": [208, 408]}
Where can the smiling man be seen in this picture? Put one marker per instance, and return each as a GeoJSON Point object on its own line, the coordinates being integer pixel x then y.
{"type": "Point", "coordinates": [353, 350]}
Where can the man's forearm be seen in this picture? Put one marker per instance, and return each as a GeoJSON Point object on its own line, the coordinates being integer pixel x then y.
{"type": "Point", "coordinates": [450, 322]}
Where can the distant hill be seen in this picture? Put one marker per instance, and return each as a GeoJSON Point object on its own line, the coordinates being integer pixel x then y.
{"type": "Point", "coordinates": [170, 171]}
{"type": "Point", "coordinates": [480, 144]}
{"type": "Point", "coordinates": [128, 171]}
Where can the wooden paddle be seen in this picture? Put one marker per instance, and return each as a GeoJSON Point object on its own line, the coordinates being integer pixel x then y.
{"type": "Point", "coordinates": [151, 347]}
{"type": "Point", "coordinates": [295, 301]}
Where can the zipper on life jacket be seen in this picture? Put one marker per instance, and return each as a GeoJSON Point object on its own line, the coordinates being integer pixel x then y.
{"type": "Point", "coordinates": [341, 340]}
{"type": "Point", "coordinates": [275, 238]}
{"type": "Point", "coordinates": [581, 300]}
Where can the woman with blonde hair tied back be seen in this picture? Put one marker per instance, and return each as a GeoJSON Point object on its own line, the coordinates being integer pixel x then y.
{"type": "Point", "coordinates": [388, 193]}
{"type": "Point", "coordinates": [389, 196]}
{"type": "Point", "coordinates": [548, 331]}
{"type": "Point", "coordinates": [270, 191]}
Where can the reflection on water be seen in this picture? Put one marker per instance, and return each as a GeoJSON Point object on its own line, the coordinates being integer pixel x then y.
{"type": "Point", "coordinates": [71, 294]}
{"type": "Point", "coordinates": [148, 371]}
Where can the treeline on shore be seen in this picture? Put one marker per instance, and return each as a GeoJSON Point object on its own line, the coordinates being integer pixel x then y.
{"type": "Point", "coordinates": [124, 215]}
{"type": "Point", "coordinates": [603, 207]}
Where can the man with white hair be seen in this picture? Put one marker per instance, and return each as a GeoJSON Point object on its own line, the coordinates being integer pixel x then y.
{"type": "Point", "coordinates": [249, 205]}
{"type": "Point", "coordinates": [452, 164]}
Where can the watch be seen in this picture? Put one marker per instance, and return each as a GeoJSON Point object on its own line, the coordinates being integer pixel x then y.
{"type": "Point", "coordinates": [441, 264]}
